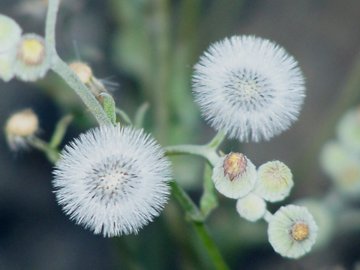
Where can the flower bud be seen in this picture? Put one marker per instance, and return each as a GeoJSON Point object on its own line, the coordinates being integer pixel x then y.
{"type": "Point", "coordinates": [32, 61]}
{"type": "Point", "coordinates": [234, 175]}
{"type": "Point", "coordinates": [86, 76]}
{"type": "Point", "coordinates": [21, 127]}
{"type": "Point", "coordinates": [292, 231]}
{"type": "Point", "coordinates": [83, 71]}
{"type": "Point", "coordinates": [251, 207]}
{"type": "Point", "coordinates": [274, 181]}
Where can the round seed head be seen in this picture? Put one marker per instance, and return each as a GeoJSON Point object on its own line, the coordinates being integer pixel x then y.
{"type": "Point", "coordinates": [249, 87]}
{"type": "Point", "coordinates": [112, 180]}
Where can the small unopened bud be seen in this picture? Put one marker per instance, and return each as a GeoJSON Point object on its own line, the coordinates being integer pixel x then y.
{"type": "Point", "coordinates": [83, 71]}
{"type": "Point", "coordinates": [21, 127]}
{"type": "Point", "coordinates": [32, 62]}
{"type": "Point", "coordinates": [275, 181]}
{"type": "Point", "coordinates": [251, 207]}
{"type": "Point", "coordinates": [86, 76]}
{"type": "Point", "coordinates": [234, 175]}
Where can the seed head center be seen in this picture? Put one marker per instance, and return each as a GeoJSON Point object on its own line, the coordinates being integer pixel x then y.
{"type": "Point", "coordinates": [109, 182]}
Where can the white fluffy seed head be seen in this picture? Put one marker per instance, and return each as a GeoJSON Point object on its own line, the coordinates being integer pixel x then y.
{"type": "Point", "coordinates": [292, 231]}
{"type": "Point", "coordinates": [275, 181]}
{"type": "Point", "coordinates": [112, 180]}
{"type": "Point", "coordinates": [251, 207]}
{"type": "Point", "coordinates": [248, 87]}
{"type": "Point", "coordinates": [234, 175]}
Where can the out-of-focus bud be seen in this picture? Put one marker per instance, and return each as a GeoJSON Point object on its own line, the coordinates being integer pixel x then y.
{"type": "Point", "coordinates": [20, 128]}
{"type": "Point", "coordinates": [32, 62]}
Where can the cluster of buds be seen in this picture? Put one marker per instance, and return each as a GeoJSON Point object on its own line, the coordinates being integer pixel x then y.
{"type": "Point", "coordinates": [23, 56]}
{"type": "Point", "coordinates": [292, 230]}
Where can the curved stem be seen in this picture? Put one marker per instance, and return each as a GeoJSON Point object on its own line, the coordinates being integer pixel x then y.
{"type": "Point", "coordinates": [59, 131]}
{"type": "Point", "coordinates": [217, 140]}
{"type": "Point", "coordinates": [268, 216]}
{"type": "Point", "coordinates": [123, 116]}
{"type": "Point", "coordinates": [197, 150]}
{"type": "Point", "coordinates": [50, 27]}
{"type": "Point", "coordinates": [62, 69]}
{"type": "Point", "coordinates": [51, 153]}
{"type": "Point", "coordinates": [191, 209]}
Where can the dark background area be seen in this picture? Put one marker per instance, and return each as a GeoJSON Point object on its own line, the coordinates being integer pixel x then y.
{"type": "Point", "coordinates": [324, 36]}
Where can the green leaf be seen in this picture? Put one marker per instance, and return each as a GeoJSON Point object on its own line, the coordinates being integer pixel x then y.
{"type": "Point", "coordinates": [209, 200]}
{"type": "Point", "coordinates": [109, 106]}
{"type": "Point", "coordinates": [60, 131]}
{"type": "Point", "coordinates": [140, 115]}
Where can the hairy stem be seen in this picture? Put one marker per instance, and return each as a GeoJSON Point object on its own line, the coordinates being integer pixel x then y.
{"type": "Point", "coordinates": [62, 69]}
{"type": "Point", "coordinates": [191, 209]}
{"type": "Point", "coordinates": [51, 153]}
{"type": "Point", "coordinates": [197, 150]}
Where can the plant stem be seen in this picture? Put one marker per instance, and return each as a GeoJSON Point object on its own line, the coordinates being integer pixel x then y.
{"type": "Point", "coordinates": [197, 150]}
{"type": "Point", "coordinates": [51, 153]}
{"type": "Point", "coordinates": [268, 216]}
{"type": "Point", "coordinates": [59, 132]}
{"type": "Point", "coordinates": [217, 140]}
{"type": "Point", "coordinates": [161, 22]}
{"type": "Point", "coordinates": [50, 27]}
{"type": "Point", "coordinates": [62, 69]}
{"type": "Point", "coordinates": [192, 210]}
{"type": "Point", "coordinates": [123, 115]}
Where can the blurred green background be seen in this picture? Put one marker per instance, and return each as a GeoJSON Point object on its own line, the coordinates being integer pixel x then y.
{"type": "Point", "coordinates": [147, 48]}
